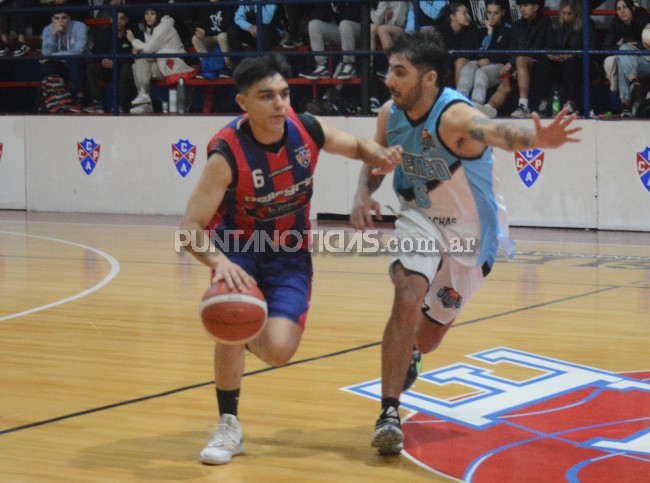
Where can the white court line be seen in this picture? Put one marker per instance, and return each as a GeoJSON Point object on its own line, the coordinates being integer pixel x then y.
{"type": "Point", "coordinates": [115, 269]}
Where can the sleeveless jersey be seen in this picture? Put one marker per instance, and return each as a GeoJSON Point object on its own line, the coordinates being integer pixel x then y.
{"type": "Point", "coordinates": [270, 192]}
{"type": "Point", "coordinates": [457, 195]}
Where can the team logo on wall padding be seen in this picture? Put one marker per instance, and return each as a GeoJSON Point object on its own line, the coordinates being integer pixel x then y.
{"type": "Point", "coordinates": [558, 422]}
{"type": "Point", "coordinates": [642, 166]}
{"type": "Point", "coordinates": [88, 153]}
{"type": "Point", "coordinates": [183, 155]}
{"type": "Point", "coordinates": [529, 165]}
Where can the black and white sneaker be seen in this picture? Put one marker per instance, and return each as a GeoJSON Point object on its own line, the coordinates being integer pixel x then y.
{"type": "Point", "coordinates": [346, 72]}
{"type": "Point", "coordinates": [22, 49]}
{"type": "Point", "coordinates": [388, 435]}
{"type": "Point", "coordinates": [320, 72]}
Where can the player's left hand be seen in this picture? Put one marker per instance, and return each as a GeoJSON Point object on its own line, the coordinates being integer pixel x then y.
{"type": "Point", "coordinates": [384, 160]}
{"type": "Point", "coordinates": [557, 132]}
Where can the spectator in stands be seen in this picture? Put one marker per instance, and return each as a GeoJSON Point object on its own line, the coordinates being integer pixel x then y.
{"type": "Point", "coordinates": [212, 30]}
{"type": "Point", "coordinates": [102, 70]}
{"type": "Point", "coordinates": [477, 76]}
{"type": "Point", "coordinates": [624, 32]}
{"type": "Point", "coordinates": [478, 10]}
{"type": "Point", "coordinates": [632, 69]}
{"type": "Point", "coordinates": [459, 33]}
{"type": "Point", "coordinates": [428, 15]}
{"type": "Point", "coordinates": [335, 24]}
{"type": "Point", "coordinates": [388, 20]}
{"type": "Point", "coordinates": [160, 37]}
{"type": "Point", "coordinates": [65, 37]}
{"type": "Point", "coordinates": [565, 70]}
{"type": "Point", "coordinates": [528, 33]}
{"type": "Point", "coordinates": [294, 14]}
{"type": "Point", "coordinates": [13, 21]}
{"type": "Point", "coordinates": [244, 29]}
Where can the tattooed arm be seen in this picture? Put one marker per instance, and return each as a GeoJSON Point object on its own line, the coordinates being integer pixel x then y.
{"type": "Point", "coordinates": [467, 131]}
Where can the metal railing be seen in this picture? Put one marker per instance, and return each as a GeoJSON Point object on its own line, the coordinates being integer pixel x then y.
{"type": "Point", "coordinates": [364, 53]}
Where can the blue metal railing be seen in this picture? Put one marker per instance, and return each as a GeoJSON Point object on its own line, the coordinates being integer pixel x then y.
{"type": "Point", "coordinates": [364, 52]}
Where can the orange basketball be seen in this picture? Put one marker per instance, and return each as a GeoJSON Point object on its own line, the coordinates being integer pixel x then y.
{"type": "Point", "coordinates": [233, 317]}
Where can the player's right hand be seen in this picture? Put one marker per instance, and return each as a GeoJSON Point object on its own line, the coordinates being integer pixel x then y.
{"type": "Point", "coordinates": [361, 216]}
{"type": "Point", "coordinates": [231, 273]}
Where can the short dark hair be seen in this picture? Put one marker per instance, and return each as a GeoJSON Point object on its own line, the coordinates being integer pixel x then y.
{"type": "Point", "coordinates": [253, 69]}
{"type": "Point", "coordinates": [426, 50]}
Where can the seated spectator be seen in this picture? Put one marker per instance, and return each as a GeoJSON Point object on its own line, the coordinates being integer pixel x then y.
{"type": "Point", "coordinates": [335, 24]}
{"type": "Point", "coordinates": [624, 28]}
{"type": "Point", "coordinates": [160, 37]}
{"type": "Point", "coordinates": [13, 21]}
{"type": "Point", "coordinates": [478, 10]}
{"type": "Point", "coordinates": [632, 70]}
{"type": "Point", "coordinates": [102, 70]}
{"type": "Point", "coordinates": [64, 37]}
{"type": "Point", "coordinates": [459, 33]}
{"type": "Point", "coordinates": [244, 29]}
{"type": "Point", "coordinates": [429, 12]}
{"type": "Point", "coordinates": [387, 21]}
{"type": "Point", "coordinates": [565, 70]}
{"type": "Point", "coordinates": [528, 33]}
{"type": "Point", "coordinates": [294, 13]}
{"type": "Point", "coordinates": [212, 30]}
{"type": "Point", "coordinates": [477, 76]}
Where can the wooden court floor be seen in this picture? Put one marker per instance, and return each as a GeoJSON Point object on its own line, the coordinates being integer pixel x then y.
{"type": "Point", "coordinates": [106, 373]}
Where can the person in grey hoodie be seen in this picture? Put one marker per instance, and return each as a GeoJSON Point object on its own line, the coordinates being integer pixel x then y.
{"type": "Point", "coordinates": [160, 37]}
{"type": "Point", "coordinates": [65, 37]}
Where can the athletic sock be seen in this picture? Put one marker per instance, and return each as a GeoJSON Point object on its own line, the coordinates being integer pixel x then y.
{"type": "Point", "coordinates": [388, 402]}
{"type": "Point", "coordinates": [523, 102]}
{"type": "Point", "coordinates": [228, 401]}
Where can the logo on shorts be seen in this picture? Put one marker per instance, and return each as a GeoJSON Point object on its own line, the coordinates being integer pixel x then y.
{"type": "Point", "coordinates": [183, 155]}
{"type": "Point", "coordinates": [529, 165]}
{"type": "Point", "coordinates": [88, 153]}
{"type": "Point", "coordinates": [473, 422]}
{"type": "Point", "coordinates": [449, 298]}
{"type": "Point", "coordinates": [303, 155]}
{"type": "Point", "coordinates": [642, 166]}
{"type": "Point", "coordinates": [1, 145]}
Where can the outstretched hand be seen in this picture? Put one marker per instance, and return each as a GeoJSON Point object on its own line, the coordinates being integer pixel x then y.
{"type": "Point", "coordinates": [557, 132]}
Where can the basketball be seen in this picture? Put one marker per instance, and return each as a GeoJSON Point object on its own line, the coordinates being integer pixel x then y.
{"type": "Point", "coordinates": [233, 317]}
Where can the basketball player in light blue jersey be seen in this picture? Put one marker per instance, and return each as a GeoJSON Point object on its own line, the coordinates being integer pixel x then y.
{"type": "Point", "coordinates": [446, 188]}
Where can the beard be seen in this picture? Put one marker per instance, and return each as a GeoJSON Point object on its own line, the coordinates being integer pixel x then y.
{"type": "Point", "coordinates": [408, 101]}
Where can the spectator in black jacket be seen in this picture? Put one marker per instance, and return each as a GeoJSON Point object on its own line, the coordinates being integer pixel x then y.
{"type": "Point", "coordinates": [528, 33]}
{"type": "Point", "coordinates": [565, 70]}
{"type": "Point", "coordinates": [459, 33]}
{"type": "Point", "coordinates": [102, 70]}
{"type": "Point", "coordinates": [624, 32]}
{"type": "Point", "coordinates": [335, 24]}
{"type": "Point", "coordinates": [212, 30]}
{"type": "Point", "coordinates": [477, 76]}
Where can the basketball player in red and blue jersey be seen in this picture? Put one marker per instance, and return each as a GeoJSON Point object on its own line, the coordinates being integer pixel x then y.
{"type": "Point", "coordinates": [258, 183]}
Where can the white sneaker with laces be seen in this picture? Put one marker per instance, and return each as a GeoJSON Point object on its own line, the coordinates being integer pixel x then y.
{"type": "Point", "coordinates": [522, 112]}
{"type": "Point", "coordinates": [142, 109]}
{"type": "Point", "coordinates": [487, 109]}
{"type": "Point", "coordinates": [224, 443]}
{"type": "Point", "coordinates": [141, 98]}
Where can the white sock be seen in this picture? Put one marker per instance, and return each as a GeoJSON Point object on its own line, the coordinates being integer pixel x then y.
{"type": "Point", "coordinates": [523, 102]}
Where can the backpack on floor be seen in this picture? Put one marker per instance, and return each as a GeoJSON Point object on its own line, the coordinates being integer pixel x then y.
{"type": "Point", "coordinates": [55, 96]}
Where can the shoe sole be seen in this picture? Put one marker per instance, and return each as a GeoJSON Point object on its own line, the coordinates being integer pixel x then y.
{"type": "Point", "coordinates": [388, 440]}
{"type": "Point", "coordinates": [215, 462]}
